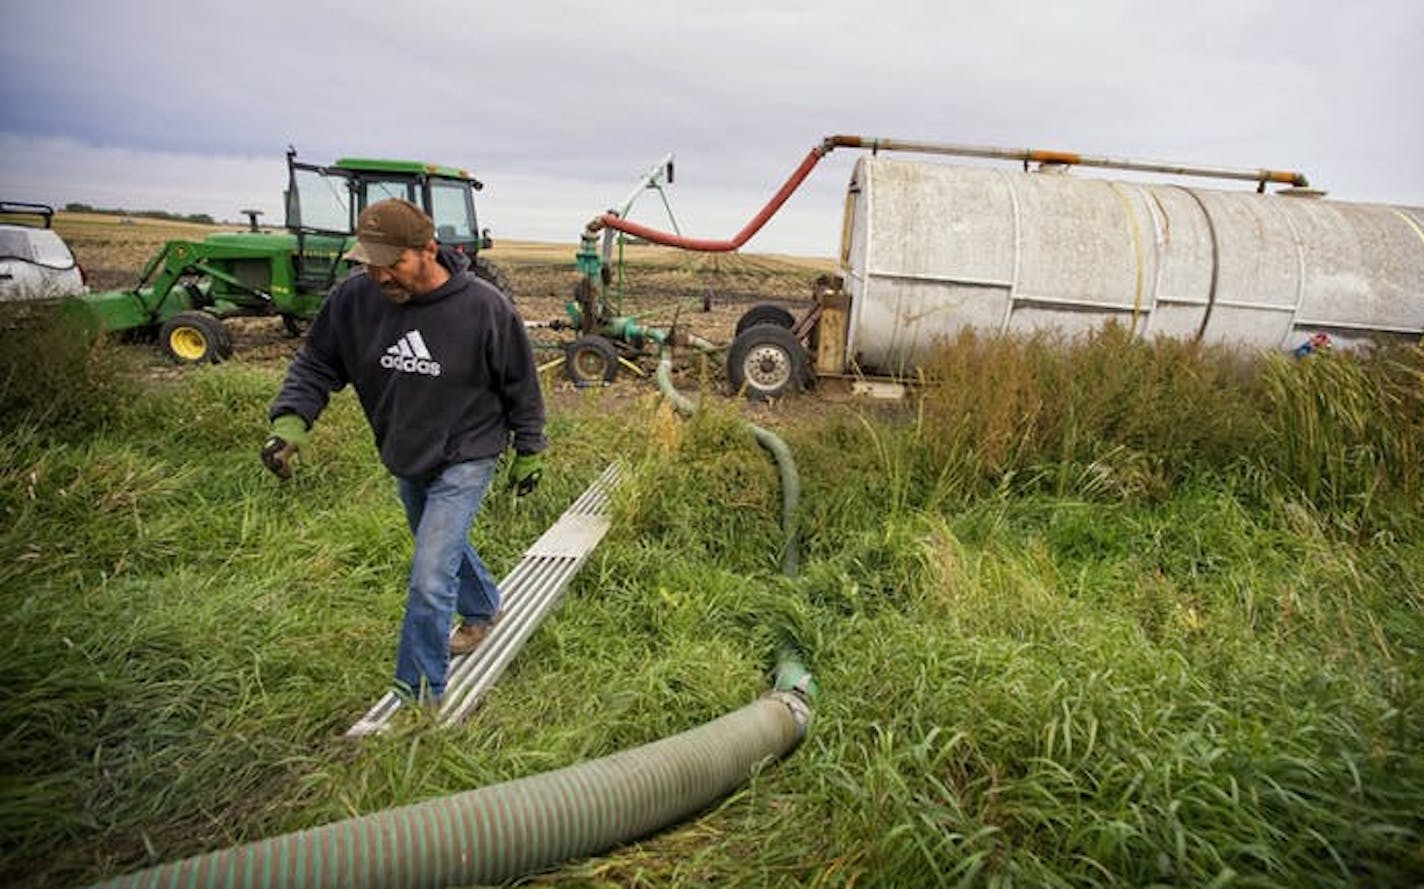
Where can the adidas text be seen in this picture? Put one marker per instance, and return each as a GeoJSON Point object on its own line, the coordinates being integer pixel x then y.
{"type": "Point", "coordinates": [411, 365]}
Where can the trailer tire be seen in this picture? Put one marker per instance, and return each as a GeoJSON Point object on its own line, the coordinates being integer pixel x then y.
{"type": "Point", "coordinates": [591, 360]}
{"type": "Point", "coordinates": [195, 338]}
{"type": "Point", "coordinates": [488, 271]}
{"type": "Point", "coordinates": [765, 313]}
{"type": "Point", "coordinates": [766, 362]}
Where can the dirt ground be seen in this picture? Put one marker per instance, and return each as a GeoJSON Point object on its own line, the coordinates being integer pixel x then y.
{"type": "Point", "coordinates": [703, 298]}
{"type": "Point", "coordinates": [701, 294]}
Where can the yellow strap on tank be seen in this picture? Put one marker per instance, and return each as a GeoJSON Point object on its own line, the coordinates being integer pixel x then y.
{"type": "Point", "coordinates": [1417, 230]}
{"type": "Point", "coordinates": [1409, 222]}
{"type": "Point", "coordinates": [1137, 253]}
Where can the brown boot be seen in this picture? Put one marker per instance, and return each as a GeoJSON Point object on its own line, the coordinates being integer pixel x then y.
{"type": "Point", "coordinates": [467, 637]}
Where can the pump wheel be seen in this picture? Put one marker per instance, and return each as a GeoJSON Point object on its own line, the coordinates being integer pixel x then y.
{"type": "Point", "coordinates": [195, 338]}
{"type": "Point", "coordinates": [765, 313]}
{"type": "Point", "coordinates": [767, 361]}
{"type": "Point", "coordinates": [488, 271]}
{"type": "Point", "coordinates": [591, 360]}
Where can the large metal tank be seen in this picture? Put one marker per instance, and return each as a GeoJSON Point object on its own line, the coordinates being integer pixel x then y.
{"type": "Point", "coordinates": [931, 248]}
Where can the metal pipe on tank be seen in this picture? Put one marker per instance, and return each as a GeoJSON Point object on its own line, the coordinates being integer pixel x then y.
{"type": "Point", "coordinates": [1071, 158]}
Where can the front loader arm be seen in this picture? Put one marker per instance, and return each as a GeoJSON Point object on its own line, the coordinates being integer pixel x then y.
{"type": "Point", "coordinates": [180, 259]}
{"type": "Point", "coordinates": [170, 265]}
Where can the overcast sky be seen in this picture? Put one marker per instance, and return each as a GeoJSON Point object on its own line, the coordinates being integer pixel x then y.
{"type": "Point", "coordinates": [559, 107]}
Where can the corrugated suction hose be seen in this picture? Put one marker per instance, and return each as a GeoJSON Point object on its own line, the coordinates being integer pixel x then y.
{"type": "Point", "coordinates": [495, 834]}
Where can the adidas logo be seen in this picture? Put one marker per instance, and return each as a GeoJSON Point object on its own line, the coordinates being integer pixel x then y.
{"type": "Point", "coordinates": [409, 355]}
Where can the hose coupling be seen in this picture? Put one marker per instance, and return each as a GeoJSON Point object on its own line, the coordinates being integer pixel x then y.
{"type": "Point", "coordinates": [796, 703]}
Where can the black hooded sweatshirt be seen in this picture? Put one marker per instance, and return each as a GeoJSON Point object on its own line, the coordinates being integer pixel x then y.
{"type": "Point", "coordinates": [445, 378]}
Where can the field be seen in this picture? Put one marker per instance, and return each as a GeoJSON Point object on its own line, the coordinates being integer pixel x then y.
{"type": "Point", "coordinates": [1095, 613]}
{"type": "Point", "coordinates": [704, 293]}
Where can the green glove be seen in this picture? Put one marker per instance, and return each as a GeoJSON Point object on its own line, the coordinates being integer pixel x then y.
{"type": "Point", "coordinates": [289, 434]}
{"type": "Point", "coordinates": [524, 475]}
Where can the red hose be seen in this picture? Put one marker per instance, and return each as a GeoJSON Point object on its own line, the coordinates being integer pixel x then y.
{"type": "Point", "coordinates": [618, 223]}
{"type": "Point", "coordinates": [705, 245]}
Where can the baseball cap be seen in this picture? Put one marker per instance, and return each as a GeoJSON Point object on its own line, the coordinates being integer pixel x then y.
{"type": "Point", "coordinates": [386, 229]}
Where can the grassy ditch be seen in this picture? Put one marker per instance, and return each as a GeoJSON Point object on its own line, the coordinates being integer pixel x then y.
{"type": "Point", "coordinates": [1104, 613]}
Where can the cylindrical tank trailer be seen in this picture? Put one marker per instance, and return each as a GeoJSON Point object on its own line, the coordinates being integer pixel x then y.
{"type": "Point", "coordinates": [930, 249]}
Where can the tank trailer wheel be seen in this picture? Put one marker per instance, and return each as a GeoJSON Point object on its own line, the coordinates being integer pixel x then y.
{"type": "Point", "coordinates": [767, 361]}
{"type": "Point", "coordinates": [591, 360]}
{"type": "Point", "coordinates": [195, 338]}
{"type": "Point", "coordinates": [765, 313]}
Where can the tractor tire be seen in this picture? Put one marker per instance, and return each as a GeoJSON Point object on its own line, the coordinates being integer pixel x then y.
{"type": "Point", "coordinates": [591, 360]}
{"type": "Point", "coordinates": [766, 362]}
{"type": "Point", "coordinates": [765, 313]}
{"type": "Point", "coordinates": [488, 271]}
{"type": "Point", "coordinates": [195, 338]}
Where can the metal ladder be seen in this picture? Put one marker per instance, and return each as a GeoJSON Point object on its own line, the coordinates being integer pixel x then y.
{"type": "Point", "coordinates": [529, 592]}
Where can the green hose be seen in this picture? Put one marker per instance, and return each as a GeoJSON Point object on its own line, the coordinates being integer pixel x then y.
{"type": "Point", "coordinates": [790, 479]}
{"type": "Point", "coordinates": [495, 834]}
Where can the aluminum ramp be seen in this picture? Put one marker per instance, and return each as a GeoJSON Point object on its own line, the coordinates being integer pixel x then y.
{"type": "Point", "coordinates": [529, 592]}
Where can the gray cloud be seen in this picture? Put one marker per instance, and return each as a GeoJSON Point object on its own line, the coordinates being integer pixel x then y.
{"type": "Point", "coordinates": [561, 105]}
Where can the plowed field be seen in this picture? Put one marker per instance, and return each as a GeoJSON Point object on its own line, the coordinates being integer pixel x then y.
{"type": "Point", "coordinates": [704, 294]}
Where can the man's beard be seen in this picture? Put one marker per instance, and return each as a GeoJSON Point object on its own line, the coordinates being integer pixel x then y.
{"type": "Point", "coordinates": [396, 293]}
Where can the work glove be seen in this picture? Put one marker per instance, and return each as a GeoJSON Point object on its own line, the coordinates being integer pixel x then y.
{"type": "Point", "coordinates": [525, 473]}
{"type": "Point", "coordinates": [289, 434]}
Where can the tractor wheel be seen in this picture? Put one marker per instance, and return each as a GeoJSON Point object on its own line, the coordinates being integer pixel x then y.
{"type": "Point", "coordinates": [767, 361]}
{"type": "Point", "coordinates": [195, 338]}
{"type": "Point", "coordinates": [591, 360]}
{"type": "Point", "coordinates": [483, 268]}
{"type": "Point", "coordinates": [294, 326]}
{"type": "Point", "coordinates": [765, 313]}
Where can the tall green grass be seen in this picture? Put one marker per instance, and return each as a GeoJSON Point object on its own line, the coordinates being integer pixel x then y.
{"type": "Point", "coordinates": [1104, 612]}
{"type": "Point", "coordinates": [1112, 414]}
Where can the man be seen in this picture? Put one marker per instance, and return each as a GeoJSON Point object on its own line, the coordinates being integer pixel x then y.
{"type": "Point", "coordinates": [445, 374]}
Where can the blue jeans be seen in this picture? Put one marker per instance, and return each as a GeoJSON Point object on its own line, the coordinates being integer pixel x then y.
{"type": "Point", "coordinates": [446, 574]}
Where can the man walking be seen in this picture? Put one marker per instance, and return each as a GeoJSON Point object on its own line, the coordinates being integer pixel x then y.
{"type": "Point", "coordinates": [445, 374]}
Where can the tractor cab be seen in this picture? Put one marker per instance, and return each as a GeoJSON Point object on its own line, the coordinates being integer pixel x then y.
{"type": "Point", "coordinates": [322, 204]}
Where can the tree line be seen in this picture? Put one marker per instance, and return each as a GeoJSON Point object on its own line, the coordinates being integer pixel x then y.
{"type": "Point", "coordinates": [202, 218]}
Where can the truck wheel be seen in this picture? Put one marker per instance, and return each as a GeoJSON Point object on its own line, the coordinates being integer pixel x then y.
{"type": "Point", "coordinates": [490, 272]}
{"type": "Point", "coordinates": [765, 313]}
{"type": "Point", "coordinates": [195, 338]}
{"type": "Point", "coordinates": [767, 361]}
{"type": "Point", "coordinates": [591, 360]}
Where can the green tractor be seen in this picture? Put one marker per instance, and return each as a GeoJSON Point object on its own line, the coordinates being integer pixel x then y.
{"type": "Point", "coordinates": [189, 287]}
